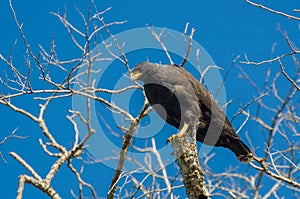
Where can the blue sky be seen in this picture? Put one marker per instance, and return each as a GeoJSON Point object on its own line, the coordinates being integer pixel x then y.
{"type": "Point", "coordinates": [224, 28]}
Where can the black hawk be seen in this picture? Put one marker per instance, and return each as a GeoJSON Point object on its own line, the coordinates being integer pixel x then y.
{"type": "Point", "coordinates": [187, 103]}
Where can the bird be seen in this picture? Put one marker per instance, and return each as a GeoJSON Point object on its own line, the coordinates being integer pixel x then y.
{"type": "Point", "coordinates": [187, 103]}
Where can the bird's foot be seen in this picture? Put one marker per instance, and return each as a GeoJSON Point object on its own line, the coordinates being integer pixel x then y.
{"type": "Point", "coordinates": [178, 135]}
{"type": "Point", "coordinates": [170, 139]}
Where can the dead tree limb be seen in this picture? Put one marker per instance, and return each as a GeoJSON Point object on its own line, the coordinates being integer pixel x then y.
{"type": "Point", "coordinates": [187, 160]}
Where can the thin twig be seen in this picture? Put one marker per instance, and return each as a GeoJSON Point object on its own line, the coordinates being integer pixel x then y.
{"type": "Point", "coordinates": [287, 76]}
{"type": "Point", "coordinates": [158, 38]}
{"type": "Point", "coordinates": [188, 49]}
{"type": "Point", "coordinates": [273, 11]}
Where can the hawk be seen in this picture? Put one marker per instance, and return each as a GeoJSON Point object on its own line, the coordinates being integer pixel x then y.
{"type": "Point", "coordinates": [187, 103]}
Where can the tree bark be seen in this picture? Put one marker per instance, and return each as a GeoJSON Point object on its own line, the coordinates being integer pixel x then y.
{"type": "Point", "coordinates": [187, 159]}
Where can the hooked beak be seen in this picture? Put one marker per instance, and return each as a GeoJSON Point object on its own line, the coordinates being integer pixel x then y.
{"type": "Point", "coordinates": [134, 75]}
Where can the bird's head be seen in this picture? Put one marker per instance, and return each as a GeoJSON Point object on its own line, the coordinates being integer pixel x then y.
{"type": "Point", "coordinates": [142, 71]}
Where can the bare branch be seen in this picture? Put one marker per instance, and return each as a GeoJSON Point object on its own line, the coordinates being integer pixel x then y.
{"type": "Point", "coordinates": [287, 76]}
{"type": "Point", "coordinates": [268, 172]}
{"type": "Point", "coordinates": [46, 188]}
{"type": "Point", "coordinates": [188, 49]}
{"type": "Point", "coordinates": [273, 11]}
{"type": "Point", "coordinates": [158, 38]}
{"type": "Point", "coordinates": [122, 156]}
{"type": "Point", "coordinates": [187, 159]}
{"type": "Point", "coordinates": [12, 135]}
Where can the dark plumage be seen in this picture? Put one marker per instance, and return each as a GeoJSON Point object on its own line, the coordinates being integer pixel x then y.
{"type": "Point", "coordinates": [186, 101]}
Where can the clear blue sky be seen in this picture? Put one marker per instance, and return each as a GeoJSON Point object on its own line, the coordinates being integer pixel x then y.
{"type": "Point", "coordinates": [223, 28]}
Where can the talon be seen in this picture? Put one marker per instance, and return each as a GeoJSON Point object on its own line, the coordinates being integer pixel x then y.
{"type": "Point", "coordinates": [170, 139]}
{"type": "Point", "coordinates": [178, 135]}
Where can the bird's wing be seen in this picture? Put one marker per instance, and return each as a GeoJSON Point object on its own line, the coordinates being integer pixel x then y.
{"type": "Point", "coordinates": [203, 95]}
{"type": "Point", "coordinates": [208, 105]}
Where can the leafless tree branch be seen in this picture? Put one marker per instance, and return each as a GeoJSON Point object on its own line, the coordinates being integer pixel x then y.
{"type": "Point", "coordinates": [273, 11]}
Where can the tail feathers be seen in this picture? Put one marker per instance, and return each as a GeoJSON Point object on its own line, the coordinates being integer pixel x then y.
{"type": "Point", "coordinates": [241, 150]}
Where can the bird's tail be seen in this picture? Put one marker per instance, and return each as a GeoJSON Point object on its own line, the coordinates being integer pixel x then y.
{"type": "Point", "coordinates": [241, 150]}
